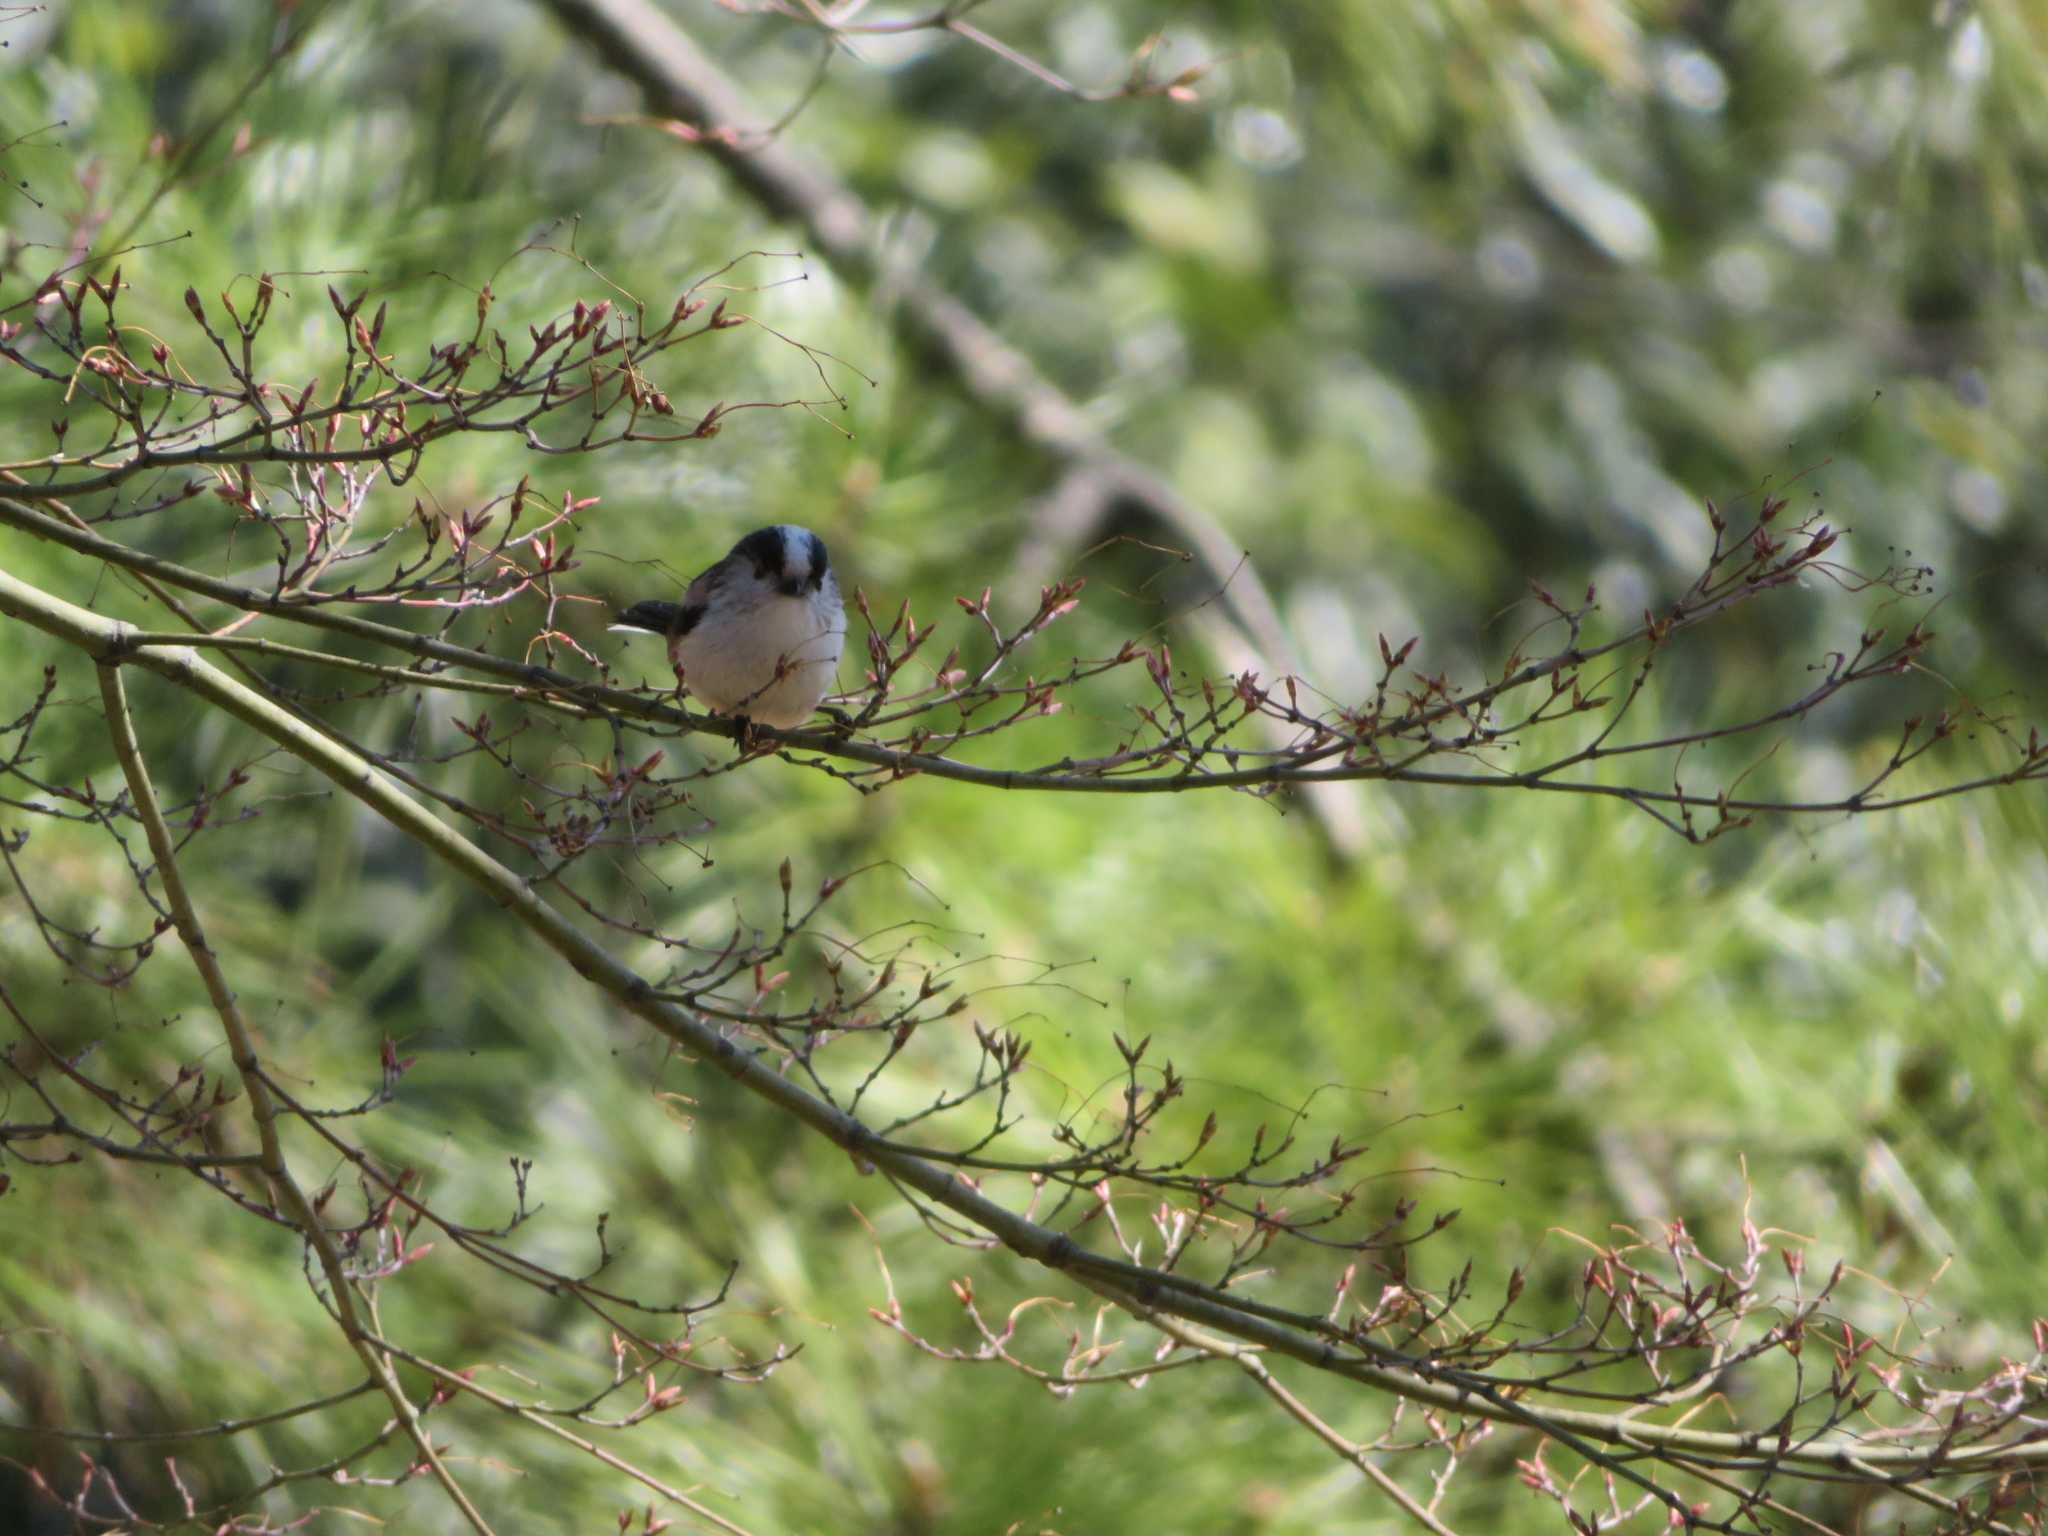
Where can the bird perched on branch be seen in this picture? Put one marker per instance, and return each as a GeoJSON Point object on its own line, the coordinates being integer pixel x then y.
{"type": "Point", "coordinates": [759, 634]}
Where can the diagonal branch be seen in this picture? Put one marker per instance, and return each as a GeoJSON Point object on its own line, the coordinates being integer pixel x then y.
{"type": "Point", "coordinates": [1310, 1339]}
{"type": "Point", "coordinates": [1247, 1360]}
{"type": "Point", "coordinates": [461, 1381]}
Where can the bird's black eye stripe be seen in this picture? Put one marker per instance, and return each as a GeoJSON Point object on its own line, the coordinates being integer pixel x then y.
{"type": "Point", "coordinates": [820, 562]}
{"type": "Point", "coordinates": [763, 549]}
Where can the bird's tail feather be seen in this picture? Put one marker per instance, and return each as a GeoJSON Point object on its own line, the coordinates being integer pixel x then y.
{"type": "Point", "coordinates": [655, 617]}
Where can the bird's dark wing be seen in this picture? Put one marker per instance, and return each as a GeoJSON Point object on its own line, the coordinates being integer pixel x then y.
{"type": "Point", "coordinates": [677, 619]}
{"type": "Point", "coordinates": [698, 595]}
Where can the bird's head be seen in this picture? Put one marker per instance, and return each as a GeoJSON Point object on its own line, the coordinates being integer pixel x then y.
{"type": "Point", "coordinates": [788, 558]}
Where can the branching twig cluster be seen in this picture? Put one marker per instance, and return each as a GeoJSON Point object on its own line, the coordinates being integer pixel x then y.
{"type": "Point", "coordinates": [157, 416]}
{"type": "Point", "coordinates": [1656, 1324]}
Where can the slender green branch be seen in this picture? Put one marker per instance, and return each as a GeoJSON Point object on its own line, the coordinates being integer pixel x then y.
{"type": "Point", "coordinates": [83, 541]}
{"type": "Point", "coordinates": [403, 677]}
{"type": "Point", "coordinates": [457, 1381]}
{"type": "Point", "coordinates": [219, 1429]}
{"type": "Point", "coordinates": [107, 1147]}
{"type": "Point", "coordinates": [1248, 1361]}
{"type": "Point", "coordinates": [242, 1049]}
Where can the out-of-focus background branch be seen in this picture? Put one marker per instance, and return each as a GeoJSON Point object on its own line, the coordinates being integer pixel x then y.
{"type": "Point", "coordinates": [1093, 482]}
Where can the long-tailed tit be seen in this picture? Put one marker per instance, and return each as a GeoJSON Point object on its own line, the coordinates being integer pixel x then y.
{"type": "Point", "coordinates": [759, 634]}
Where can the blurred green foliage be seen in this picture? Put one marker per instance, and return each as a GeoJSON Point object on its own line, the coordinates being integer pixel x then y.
{"type": "Point", "coordinates": [1420, 300]}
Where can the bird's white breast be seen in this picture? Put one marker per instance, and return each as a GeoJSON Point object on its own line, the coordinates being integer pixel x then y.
{"type": "Point", "coordinates": [733, 666]}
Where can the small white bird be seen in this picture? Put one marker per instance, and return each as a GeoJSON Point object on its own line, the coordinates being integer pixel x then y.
{"type": "Point", "coordinates": [759, 634]}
